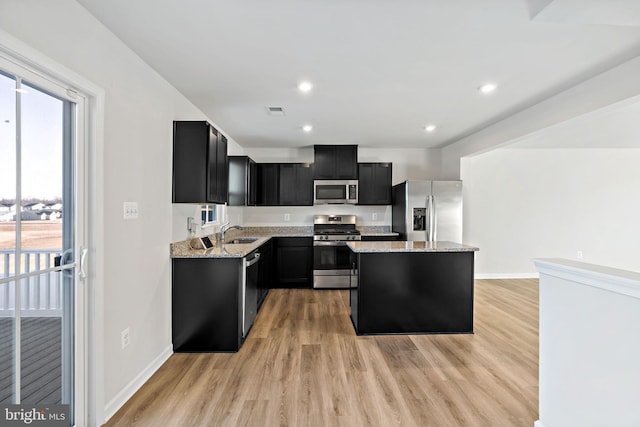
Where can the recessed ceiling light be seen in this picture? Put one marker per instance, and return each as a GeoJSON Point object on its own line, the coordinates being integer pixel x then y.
{"type": "Point", "coordinates": [305, 87]}
{"type": "Point", "coordinates": [307, 128]}
{"type": "Point", "coordinates": [488, 87]}
{"type": "Point", "coordinates": [430, 128]}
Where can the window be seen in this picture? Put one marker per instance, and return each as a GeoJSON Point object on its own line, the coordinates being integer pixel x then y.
{"type": "Point", "coordinates": [208, 214]}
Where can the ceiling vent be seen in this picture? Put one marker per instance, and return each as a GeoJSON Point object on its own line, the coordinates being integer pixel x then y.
{"type": "Point", "coordinates": [275, 111]}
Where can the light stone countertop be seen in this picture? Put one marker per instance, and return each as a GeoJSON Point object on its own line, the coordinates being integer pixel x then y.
{"type": "Point", "coordinates": [410, 246]}
{"type": "Point", "coordinates": [228, 250]}
{"type": "Point", "coordinates": [262, 234]}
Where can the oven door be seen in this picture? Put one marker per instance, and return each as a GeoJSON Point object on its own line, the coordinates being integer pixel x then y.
{"type": "Point", "coordinates": [331, 265]}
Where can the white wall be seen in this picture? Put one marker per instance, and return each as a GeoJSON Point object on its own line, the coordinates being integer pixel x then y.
{"type": "Point", "coordinates": [139, 109]}
{"type": "Point", "coordinates": [540, 203]}
{"type": "Point", "coordinates": [589, 372]}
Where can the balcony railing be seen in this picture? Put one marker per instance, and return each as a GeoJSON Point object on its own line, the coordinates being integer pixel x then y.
{"type": "Point", "coordinates": [40, 294]}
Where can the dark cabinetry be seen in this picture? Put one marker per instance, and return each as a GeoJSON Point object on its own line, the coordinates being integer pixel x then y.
{"type": "Point", "coordinates": [293, 262]}
{"type": "Point", "coordinates": [374, 183]}
{"type": "Point", "coordinates": [207, 299]}
{"type": "Point", "coordinates": [296, 184]}
{"type": "Point", "coordinates": [243, 179]}
{"type": "Point", "coordinates": [414, 292]}
{"type": "Point", "coordinates": [200, 163]}
{"type": "Point", "coordinates": [335, 162]}
{"type": "Point", "coordinates": [267, 183]}
{"type": "Point", "coordinates": [205, 309]}
{"type": "Point", "coordinates": [284, 184]}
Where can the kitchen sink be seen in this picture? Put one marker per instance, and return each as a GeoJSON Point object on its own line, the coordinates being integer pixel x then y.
{"type": "Point", "coordinates": [242, 241]}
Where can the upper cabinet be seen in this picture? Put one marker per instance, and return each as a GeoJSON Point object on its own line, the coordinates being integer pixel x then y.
{"type": "Point", "coordinates": [243, 180]}
{"type": "Point", "coordinates": [335, 162]}
{"type": "Point", "coordinates": [285, 184]}
{"type": "Point", "coordinates": [296, 184]}
{"type": "Point", "coordinates": [267, 184]}
{"type": "Point", "coordinates": [200, 163]}
{"type": "Point", "coordinates": [374, 183]}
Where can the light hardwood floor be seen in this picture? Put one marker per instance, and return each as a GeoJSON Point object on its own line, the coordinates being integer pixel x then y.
{"type": "Point", "coordinates": [303, 365]}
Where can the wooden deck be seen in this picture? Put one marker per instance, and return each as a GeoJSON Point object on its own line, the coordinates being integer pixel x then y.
{"type": "Point", "coordinates": [41, 360]}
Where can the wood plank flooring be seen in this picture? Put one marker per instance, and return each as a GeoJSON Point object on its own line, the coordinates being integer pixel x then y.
{"type": "Point", "coordinates": [303, 365]}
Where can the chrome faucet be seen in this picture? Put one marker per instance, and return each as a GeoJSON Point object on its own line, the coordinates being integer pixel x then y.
{"type": "Point", "coordinates": [227, 227]}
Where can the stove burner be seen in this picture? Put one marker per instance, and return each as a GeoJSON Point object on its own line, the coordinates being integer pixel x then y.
{"type": "Point", "coordinates": [335, 232]}
{"type": "Point", "coordinates": [335, 227]}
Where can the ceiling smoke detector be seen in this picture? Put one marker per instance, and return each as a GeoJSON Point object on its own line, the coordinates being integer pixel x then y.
{"type": "Point", "coordinates": [275, 111]}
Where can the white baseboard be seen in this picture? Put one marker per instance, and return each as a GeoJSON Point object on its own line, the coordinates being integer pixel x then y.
{"type": "Point", "coordinates": [508, 276]}
{"type": "Point", "coordinates": [129, 390]}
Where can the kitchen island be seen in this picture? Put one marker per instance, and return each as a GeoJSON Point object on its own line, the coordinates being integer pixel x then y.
{"type": "Point", "coordinates": [411, 287]}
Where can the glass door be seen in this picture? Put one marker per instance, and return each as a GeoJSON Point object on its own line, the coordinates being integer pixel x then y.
{"type": "Point", "coordinates": [39, 246]}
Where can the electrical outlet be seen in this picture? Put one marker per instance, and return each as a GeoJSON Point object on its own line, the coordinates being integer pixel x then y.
{"type": "Point", "coordinates": [130, 210]}
{"type": "Point", "coordinates": [287, 217]}
{"type": "Point", "coordinates": [125, 338]}
{"type": "Point", "coordinates": [374, 216]}
{"type": "Point", "coordinates": [579, 255]}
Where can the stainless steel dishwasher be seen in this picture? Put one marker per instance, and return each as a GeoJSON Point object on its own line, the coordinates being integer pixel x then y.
{"type": "Point", "coordinates": [250, 279]}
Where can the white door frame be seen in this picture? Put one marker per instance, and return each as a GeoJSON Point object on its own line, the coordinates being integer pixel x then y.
{"type": "Point", "coordinates": [89, 331]}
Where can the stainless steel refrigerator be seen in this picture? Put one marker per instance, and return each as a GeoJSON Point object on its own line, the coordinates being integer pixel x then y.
{"type": "Point", "coordinates": [428, 210]}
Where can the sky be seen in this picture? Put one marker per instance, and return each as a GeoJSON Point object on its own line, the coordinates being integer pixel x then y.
{"type": "Point", "coordinates": [41, 142]}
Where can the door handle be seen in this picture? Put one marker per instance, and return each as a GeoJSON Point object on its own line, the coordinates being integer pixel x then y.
{"type": "Point", "coordinates": [83, 258]}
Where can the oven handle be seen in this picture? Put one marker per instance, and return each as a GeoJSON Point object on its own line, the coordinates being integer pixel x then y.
{"type": "Point", "coordinates": [331, 242]}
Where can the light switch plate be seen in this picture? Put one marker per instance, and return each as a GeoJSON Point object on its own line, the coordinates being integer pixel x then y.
{"type": "Point", "coordinates": [130, 210]}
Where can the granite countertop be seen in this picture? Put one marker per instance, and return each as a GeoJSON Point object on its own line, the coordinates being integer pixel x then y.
{"type": "Point", "coordinates": [226, 250]}
{"type": "Point", "coordinates": [373, 230]}
{"type": "Point", "coordinates": [261, 234]}
{"type": "Point", "coordinates": [182, 249]}
{"type": "Point", "coordinates": [410, 246]}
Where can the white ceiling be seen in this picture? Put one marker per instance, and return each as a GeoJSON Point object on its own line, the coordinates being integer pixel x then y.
{"type": "Point", "coordinates": [617, 127]}
{"type": "Point", "coordinates": [382, 69]}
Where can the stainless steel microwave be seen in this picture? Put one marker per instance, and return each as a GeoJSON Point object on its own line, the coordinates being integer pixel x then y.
{"type": "Point", "coordinates": [327, 191]}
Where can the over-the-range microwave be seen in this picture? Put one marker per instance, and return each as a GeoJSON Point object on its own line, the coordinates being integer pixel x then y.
{"type": "Point", "coordinates": [326, 191]}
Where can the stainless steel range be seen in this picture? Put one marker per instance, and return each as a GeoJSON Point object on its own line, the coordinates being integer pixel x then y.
{"type": "Point", "coordinates": [331, 265]}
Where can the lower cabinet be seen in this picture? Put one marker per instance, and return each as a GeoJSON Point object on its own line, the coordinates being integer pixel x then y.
{"type": "Point", "coordinates": [207, 297]}
{"type": "Point", "coordinates": [293, 262]}
{"type": "Point", "coordinates": [206, 310]}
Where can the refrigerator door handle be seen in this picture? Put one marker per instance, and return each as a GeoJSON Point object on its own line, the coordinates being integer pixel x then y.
{"type": "Point", "coordinates": [430, 219]}
{"type": "Point", "coordinates": [434, 221]}
{"type": "Point", "coordinates": [427, 219]}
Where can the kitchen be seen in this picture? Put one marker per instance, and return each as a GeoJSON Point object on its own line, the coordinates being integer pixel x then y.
{"type": "Point", "coordinates": [271, 257]}
{"type": "Point", "coordinates": [136, 99]}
